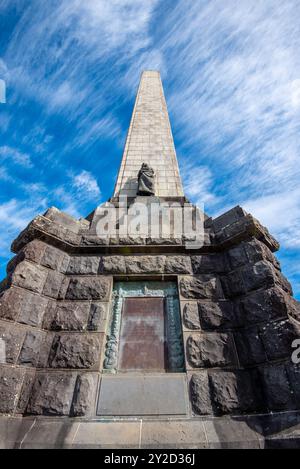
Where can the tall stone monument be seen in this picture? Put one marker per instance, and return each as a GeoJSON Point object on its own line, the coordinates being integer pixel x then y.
{"type": "Point", "coordinates": [133, 328]}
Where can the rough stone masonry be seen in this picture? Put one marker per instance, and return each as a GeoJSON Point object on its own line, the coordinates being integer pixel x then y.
{"type": "Point", "coordinates": [238, 320]}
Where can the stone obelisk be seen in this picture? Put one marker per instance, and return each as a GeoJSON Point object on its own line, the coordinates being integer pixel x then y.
{"type": "Point", "coordinates": [150, 141]}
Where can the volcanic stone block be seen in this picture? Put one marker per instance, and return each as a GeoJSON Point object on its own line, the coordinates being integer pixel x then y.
{"type": "Point", "coordinates": [63, 219]}
{"type": "Point", "coordinates": [29, 355]}
{"type": "Point", "coordinates": [233, 392]}
{"type": "Point", "coordinates": [25, 392]}
{"type": "Point", "coordinates": [68, 316]}
{"type": "Point", "coordinates": [293, 372]}
{"type": "Point", "coordinates": [251, 252]}
{"type": "Point", "coordinates": [249, 347]}
{"type": "Point", "coordinates": [75, 351]}
{"type": "Point", "coordinates": [29, 276]}
{"type": "Point", "coordinates": [95, 288]}
{"type": "Point", "coordinates": [276, 387]}
{"type": "Point", "coordinates": [257, 251]}
{"type": "Point", "coordinates": [13, 338]}
{"type": "Point", "coordinates": [252, 277]}
{"type": "Point", "coordinates": [34, 251]}
{"type": "Point", "coordinates": [201, 287]}
{"type": "Point", "coordinates": [178, 265]}
{"type": "Point", "coordinates": [228, 218]}
{"type": "Point", "coordinates": [278, 338]}
{"type": "Point", "coordinates": [55, 259]}
{"type": "Point", "coordinates": [216, 315]}
{"type": "Point", "coordinates": [113, 265]}
{"type": "Point", "coordinates": [97, 317]}
{"type": "Point", "coordinates": [52, 394]}
{"type": "Point", "coordinates": [191, 316]}
{"type": "Point", "coordinates": [53, 284]}
{"type": "Point", "coordinates": [91, 240]}
{"type": "Point", "coordinates": [145, 264]}
{"type": "Point", "coordinates": [206, 264]}
{"type": "Point", "coordinates": [85, 395]}
{"type": "Point", "coordinates": [210, 350]}
{"type": "Point", "coordinates": [200, 394]}
{"type": "Point", "coordinates": [262, 306]}
{"type": "Point", "coordinates": [10, 385]}
{"type": "Point", "coordinates": [263, 274]}
{"type": "Point", "coordinates": [44, 351]}
{"type": "Point", "coordinates": [22, 306]}
{"type": "Point", "coordinates": [83, 265]}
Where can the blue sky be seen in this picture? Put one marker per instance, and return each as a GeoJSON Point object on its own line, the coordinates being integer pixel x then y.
{"type": "Point", "coordinates": [231, 73]}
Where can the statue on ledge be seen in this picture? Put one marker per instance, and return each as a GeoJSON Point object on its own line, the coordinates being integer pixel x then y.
{"type": "Point", "coordinates": [146, 180]}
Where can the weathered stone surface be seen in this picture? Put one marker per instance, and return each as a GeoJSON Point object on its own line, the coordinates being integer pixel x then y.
{"type": "Point", "coordinates": [85, 395]}
{"type": "Point", "coordinates": [262, 306]}
{"type": "Point", "coordinates": [13, 338]}
{"type": "Point", "coordinates": [178, 265]}
{"type": "Point", "coordinates": [128, 240]}
{"type": "Point", "coordinates": [249, 347]}
{"type": "Point", "coordinates": [68, 316]}
{"type": "Point", "coordinates": [210, 350]}
{"type": "Point", "coordinates": [29, 276]}
{"type": "Point", "coordinates": [25, 392]}
{"type": "Point", "coordinates": [234, 392]}
{"type": "Point", "coordinates": [191, 316]}
{"type": "Point", "coordinates": [278, 337]}
{"type": "Point", "coordinates": [93, 240]}
{"type": "Point", "coordinates": [228, 218]}
{"type": "Point", "coordinates": [276, 387]}
{"type": "Point", "coordinates": [83, 265]}
{"type": "Point", "coordinates": [164, 241]}
{"type": "Point", "coordinates": [52, 394]}
{"type": "Point", "coordinates": [251, 252]}
{"type": "Point", "coordinates": [63, 219]}
{"type": "Point", "coordinates": [95, 288]}
{"type": "Point", "coordinates": [44, 351]}
{"type": "Point", "coordinates": [206, 264]}
{"type": "Point", "coordinates": [55, 259]}
{"type": "Point", "coordinates": [53, 284]}
{"type": "Point", "coordinates": [173, 434]}
{"type": "Point", "coordinates": [113, 265]}
{"type": "Point", "coordinates": [216, 315]}
{"type": "Point", "coordinates": [97, 317]}
{"type": "Point", "coordinates": [22, 306]}
{"type": "Point", "coordinates": [245, 228]}
{"type": "Point", "coordinates": [75, 351]}
{"type": "Point", "coordinates": [48, 230]}
{"type": "Point", "coordinates": [145, 264]}
{"type": "Point", "coordinates": [33, 251]}
{"type": "Point", "coordinates": [252, 277]}
{"type": "Point", "coordinates": [201, 287]}
{"type": "Point", "coordinates": [10, 385]}
{"type": "Point", "coordinates": [29, 355]}
{"type": "Point", "coordinates": [293, 373]}
{"type": "Point", "coordinates": [200, 394]}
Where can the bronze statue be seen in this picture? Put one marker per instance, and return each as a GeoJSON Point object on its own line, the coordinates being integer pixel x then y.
{"type": "Point", "coordinates": [146, 180]}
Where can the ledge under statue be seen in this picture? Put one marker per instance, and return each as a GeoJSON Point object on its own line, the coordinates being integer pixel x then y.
{"type": "Point", "coordinates": [144, 343]}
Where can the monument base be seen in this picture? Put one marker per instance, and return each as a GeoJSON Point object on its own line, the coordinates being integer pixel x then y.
{"type": "Point", "coordinates": [278, 431]}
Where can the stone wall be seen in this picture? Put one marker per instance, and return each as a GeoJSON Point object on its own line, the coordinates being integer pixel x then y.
{"type": "Point", "coordinates": [238, 317]}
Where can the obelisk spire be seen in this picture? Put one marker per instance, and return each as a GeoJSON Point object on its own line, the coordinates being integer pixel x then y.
{"type": "Point", "coordinates": [150, 141]}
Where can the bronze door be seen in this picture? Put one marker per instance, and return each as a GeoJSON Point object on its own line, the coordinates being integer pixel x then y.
{"type": "Point", "coordinates": [143, 335]}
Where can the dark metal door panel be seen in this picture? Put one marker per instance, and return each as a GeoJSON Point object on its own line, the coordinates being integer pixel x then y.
{"type": "Point", "coordinates": [142, 339]}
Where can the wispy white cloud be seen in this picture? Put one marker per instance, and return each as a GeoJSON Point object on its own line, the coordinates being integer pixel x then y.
{"type": "Point", "coordinates": [15, 156]}
{"type": "Point", "coordinates": [86, 185]}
